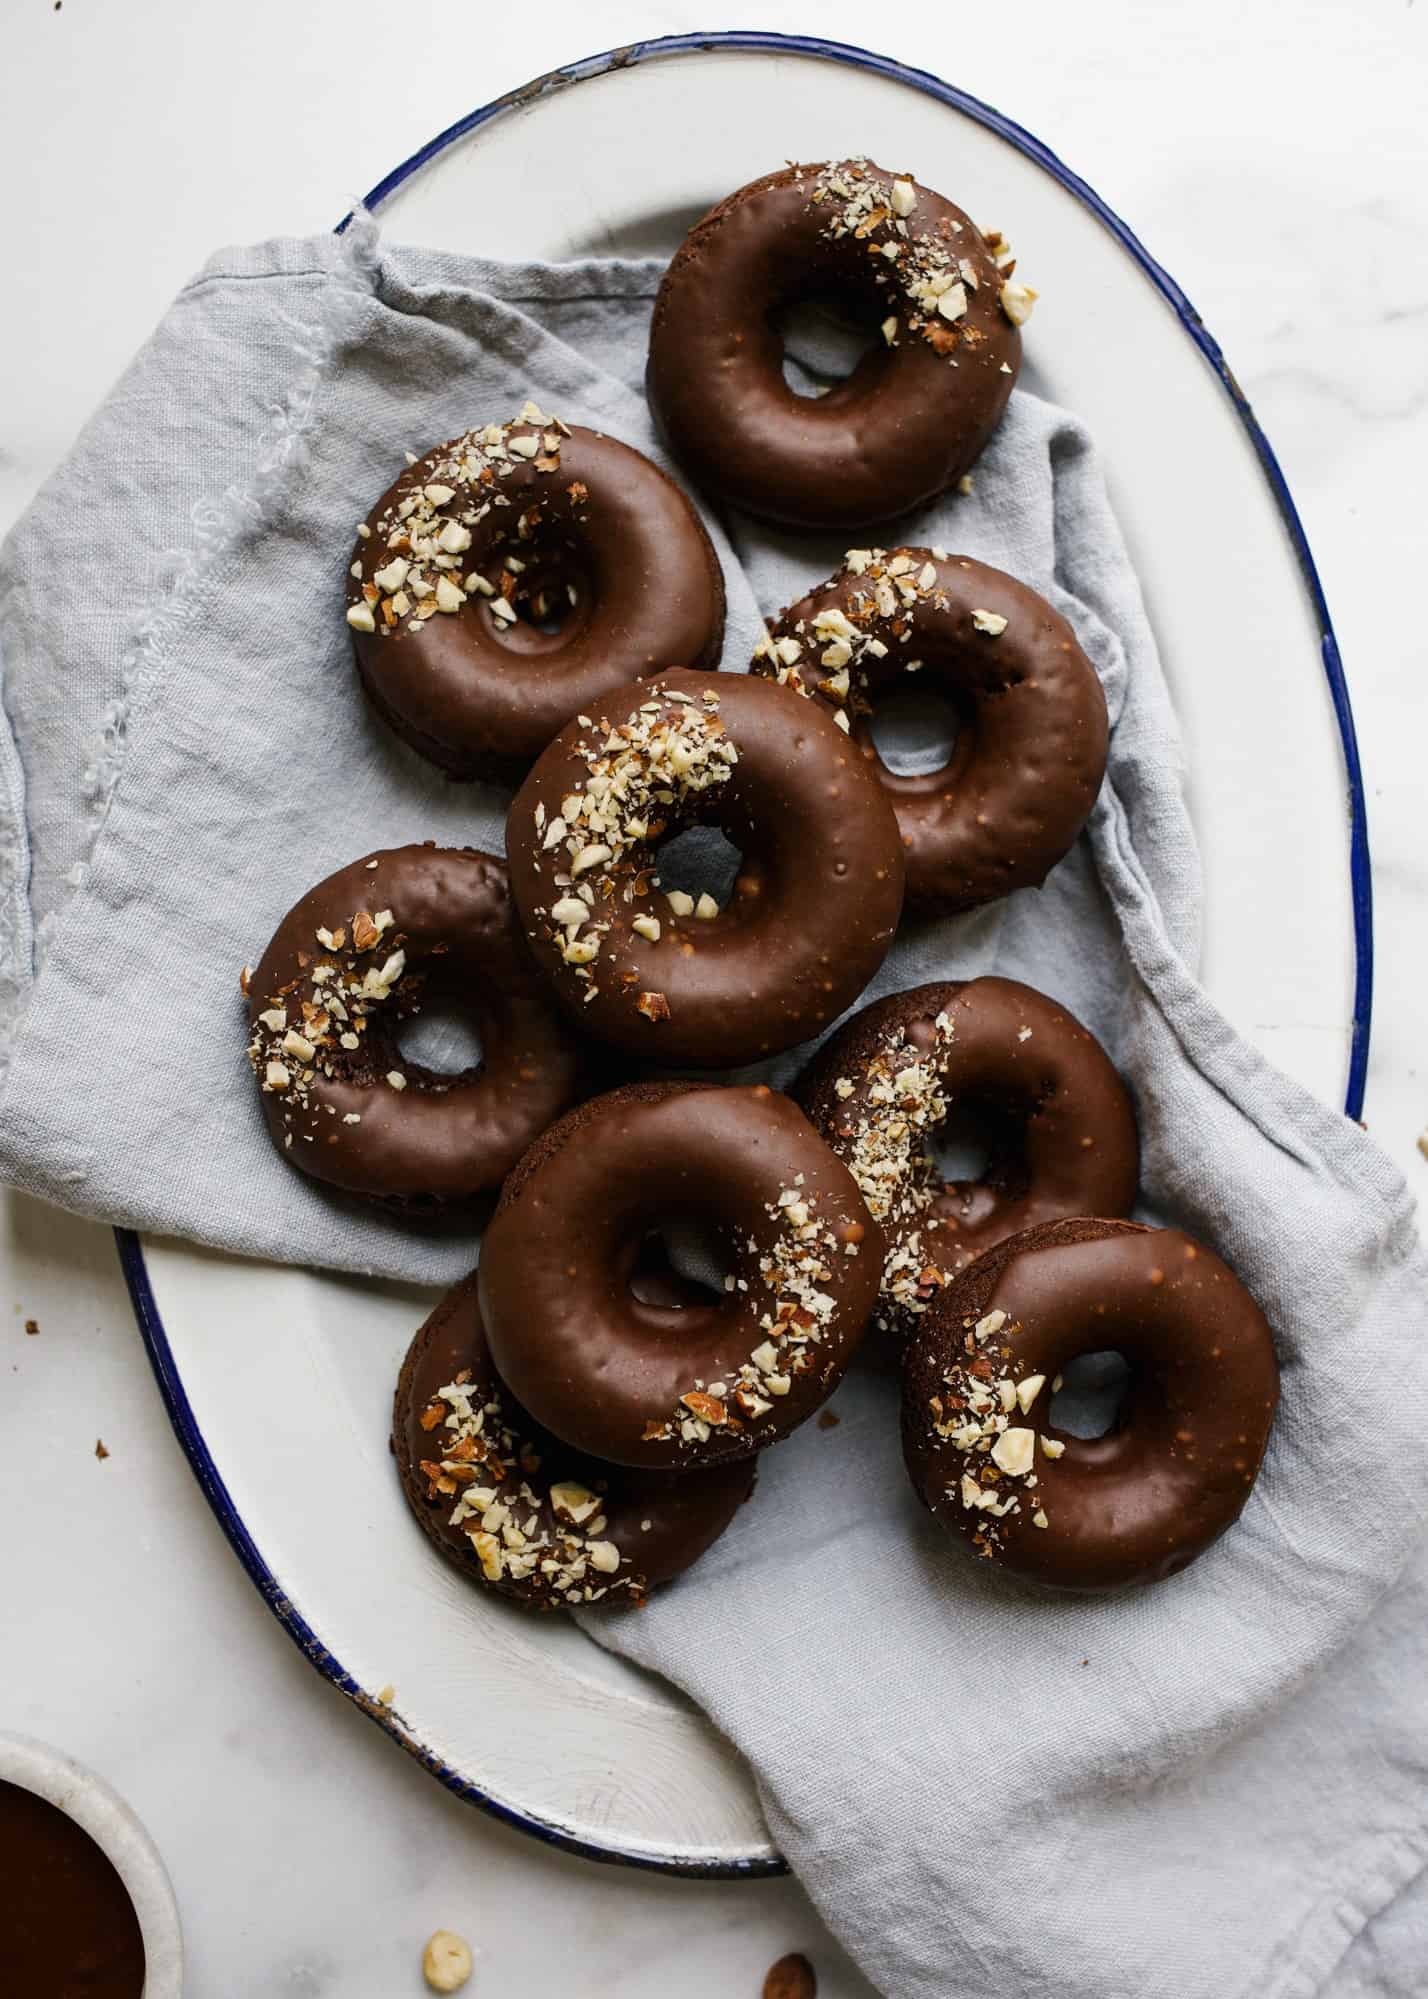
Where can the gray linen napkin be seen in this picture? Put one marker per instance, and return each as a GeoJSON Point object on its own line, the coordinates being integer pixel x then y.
{"type": "Point", "coordinates": [1206, 1789]}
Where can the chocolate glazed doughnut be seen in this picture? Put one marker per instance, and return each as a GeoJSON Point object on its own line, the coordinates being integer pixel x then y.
{"type": "Point", "coordinates": [516, 574]}
{"type": "Point", "coordinates": [915, 412]}
{"type": "Point", "coordinates": [363, 952]}
{"type": "Point", "coordinates": [626, 1379]}
{"type": "Point", "coordinates": [519, 1511]}
{"type": "Point", "coordinates": [998, 1060]}
{"type": "Point", "coordinates": [1175, 1470]}
{"type": "Point", "coordinates": [673, 978]}
{"type": "Point", "coordinates": [1031, 744]}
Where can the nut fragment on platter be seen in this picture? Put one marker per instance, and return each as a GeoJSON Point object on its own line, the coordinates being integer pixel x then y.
{"type": "Point", "coordinates": [446, 1961]}
{"type": "Point", "coordinates": [791, 1978]}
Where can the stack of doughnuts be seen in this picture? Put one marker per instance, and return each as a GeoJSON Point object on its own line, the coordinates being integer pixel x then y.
{"type": "Point", "coordinates": [679, 1263]}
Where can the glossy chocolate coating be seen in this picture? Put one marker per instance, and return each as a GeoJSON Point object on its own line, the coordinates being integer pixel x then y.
{"type": "Point", "coordinates": [613, 1373]}
{"type": "Point", "coordinates": [812, 913]}
{"type": "Point", "coordinates": [1031, 742]}
{"type": "Point", "coordinates": [481, 696]}
{"type": "Point", "coordinates": [1011, 1068]}
{"type": "Point", "coordinates": [658, 1523]}
{"type": "Point", "coordinates": [68, 1929]}
{"type": "Point", "coordinates": [909, 420]}
{"type": "Point", "coordinates": [435, 1141]}
{"type": "Point", "coordinates": [1175, 1470]}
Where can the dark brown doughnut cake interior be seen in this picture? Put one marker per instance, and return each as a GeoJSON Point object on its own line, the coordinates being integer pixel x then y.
{"type": "Point", "coordinates": [935, 294]}
{"type": "Point", "coordinates": [990, 1060]}
{"type": "Point", "coordinates": [520, 1511]}
{"type": "Point", "coordinates": [679, 979]}
{"type": "Point", "coordinates": [618, 1374]}
{"type": "Point", "coordinates": [1138, 1503]}
{"type": "Point", "coordinates": [1031, 729]}
{"type": "Point", "coordinates": [517, 573]}
{"type": "Point", "coordinates": [352, 963]}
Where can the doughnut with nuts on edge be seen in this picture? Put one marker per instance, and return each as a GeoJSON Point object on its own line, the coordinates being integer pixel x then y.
{"type": "Point", "coordinates": [1030, 750]}
{"type": "Point", "coordinates": [991, 1059]}
{"type": "Point", "coordinates": [917, 409]}
{"type": "Point", "coordinates": [671, 977]}
{"type": "Point", "coordinates": [629, 1380]}
{"type": "Point", "coordinates": [515, 574]}
{"type": "Point", "coordinates": [1177, 1466]}
{"type": "Point", "coordinates": [361, 954]}
{"type": "Point", "coordinates": [522, 1513]}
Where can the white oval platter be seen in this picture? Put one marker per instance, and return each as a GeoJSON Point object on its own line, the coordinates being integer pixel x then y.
{"type": "Point", "coordinates": [530, 1720]}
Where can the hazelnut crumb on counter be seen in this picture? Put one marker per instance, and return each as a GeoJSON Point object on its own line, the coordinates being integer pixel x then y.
{"type": "Point", "coordinates": [446, 1961]}
{"type": "Point", "coordinates": [792, 1977]}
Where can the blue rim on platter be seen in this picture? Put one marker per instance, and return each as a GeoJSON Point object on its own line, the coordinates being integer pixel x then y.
{"type": "Point", "coordinates": [131, 1254]}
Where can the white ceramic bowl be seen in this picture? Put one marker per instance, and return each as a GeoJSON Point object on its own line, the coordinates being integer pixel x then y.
{"type": "Point", "coordinates": [103, 1814]}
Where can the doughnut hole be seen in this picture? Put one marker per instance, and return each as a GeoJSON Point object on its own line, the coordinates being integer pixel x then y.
{"type": "Point", "coordinates": [549, 584]}
{"type": "Point", "coordinates": [915, 731]}
{"type": "Point", "coordinates": [1091, 1399]}
{"type": "Point", "coordinates": [981, 1154]}
{"type": "Point", "coordinates": [827, 337]}
{"type": "Point", "coordinates": [678, 1265]}
{"type": "Point", "coordinates": [699, 860]}
{"type": "Point", "coordinates": [439, 1040]}
{"type": "Point", "coordinates": [961, 1152]}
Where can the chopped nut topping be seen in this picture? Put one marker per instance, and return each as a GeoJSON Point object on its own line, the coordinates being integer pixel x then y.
{"type": "Point", "coordinates": [550, 1544]}
{"type": "Point", "coordinates": [641, 773]}
{"type": "Point", "coordinates": [1014, 1451]}
{"type": "Point", "coordinates": [1027, 1391]}
{"type": "Point", "coordinates": [991, 622]}
{"type": "Point", "coordinates": [575, 1503]}
{"type": "Point", "coordinates": [419, 540]}
{"type": "Point", "coordinates": [917, 256]}
{"type": "Point", "coordinates": [1017, 301]}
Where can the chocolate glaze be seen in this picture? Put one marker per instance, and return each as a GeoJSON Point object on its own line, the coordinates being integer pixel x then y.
{"type": "Point", "coordinates": [658, 1523]}
{"type": "Point", "coordinates": [437, 1141]}
{"type": "Point", "coordinates": [1031, 743]}
{"type": "Point", "coordinates": [629, 1380]}
{"type": "Point", "coordinates": [909, 420]}
{"type": "Point", "coordinates": [813, 911]}
{"type": "Point", "coordinates": [1141, 1502]}
{"type": "Point", "coordinates": [482, 696]}
{"type": "Point", "coordinates": [992, 1059]}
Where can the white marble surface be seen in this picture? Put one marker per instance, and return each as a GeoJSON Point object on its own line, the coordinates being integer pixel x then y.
{"type": "Point", "coordinates": [1274, 159]}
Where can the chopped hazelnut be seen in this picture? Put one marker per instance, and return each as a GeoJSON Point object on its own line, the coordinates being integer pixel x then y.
{"type": "Point", "coordinates": [446, 1962]}
{"type": "Point", "coordinates": [1017, 301]}
{"type": "Point", "coordinates": [1028, 1390]}
{"type": "Point", "coordinates": [1014, 1450]}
